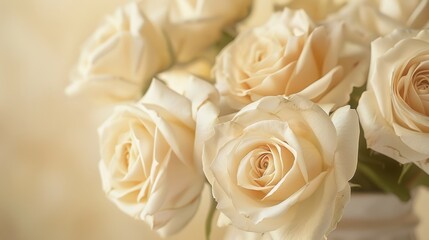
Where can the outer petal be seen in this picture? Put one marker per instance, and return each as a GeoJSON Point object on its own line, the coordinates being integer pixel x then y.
{"type": "Point", "coordinates": [346, 123]}
{"type": "Point", "coordinates": [312, 218]}
{"type": "Point", "coordinates": [171, 206]}
{"type": "Point", "coordinates": [159, 94]}
{"type": "Point", "coordinates": [233, 233]}
{"type": "Point", "coordinates": [205, 121]}
{"type": "Point", "coordinates": [419, 141]}
{"type": "Point", "coordinates": [169, 220]}
{"type": "Point", "coordinates": [379, 133]}
{"type": "Point", "coordinates": [219, 137]}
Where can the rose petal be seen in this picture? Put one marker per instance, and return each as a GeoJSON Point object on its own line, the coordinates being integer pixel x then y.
{"type": "Point", "coordinates": [159, 94]}
{"type": "Point", "coordinates": [317, 209]}
{"type": "Point", "coordinates": [346, 123]}
{"type": "Point", "coordinates": [418, 141]}
{"type": "Point", "coordinates": [379, 135]}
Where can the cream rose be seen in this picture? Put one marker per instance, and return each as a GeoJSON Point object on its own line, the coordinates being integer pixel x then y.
{"type": "Point", "coordinates": [282, 165]}
{"type": "Point", "coordinates": [381, 17]}
{"type": "Point", "coordinates": [150, 163]}
{"type": "Point", "coordinates": [233, 233]}
{"type": "Point", "coordinates": [394, 111]}
{"type": "Point", "coordinates": [263, 9]}
{"type": "Point", "coordinates": [192, 26]}
{"type": "Point", "coordinates": [121, 57]}
{"type": "Point", "coordinates": [289, 55]}
{"type": "Point", "coordinates": [318, 10]}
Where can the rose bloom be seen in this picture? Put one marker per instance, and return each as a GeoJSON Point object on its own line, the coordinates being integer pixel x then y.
{"type": "Point", "coordinates": [394, 111]}
{"type": "Point", "coordinates": [289, 55]}
{"type": "Point", "coordinates": [318, 10]}
{"type": "Point", "coordinates": [380, 17]}
{"type": "Point", "coordinates": [233, 233]}
{"type": "Point", "coordinates": [150, 165]}
{"type": "Point", "coordinates": [119, 60]}
{"type": "Point", "coordinates": [193, 26]}
{"type": "Point", "coordinates": [281, 166]}
{"type": "Point", "coordinates": [263, 9]}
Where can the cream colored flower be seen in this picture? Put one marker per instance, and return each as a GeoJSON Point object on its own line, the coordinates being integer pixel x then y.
{"type": "Point", "coordinates": [194, 25]}
{"type": "Point", "coordinates": [289, 55]}
{"type": "Point", "coordinates": [318, 10]}
{"type": "Point", "coordinates": [381, 17]}
{"type": "Point", "coordinates": [263, 9]}
{"type": "Point", "coordinates": [394, 111]}
{"type": "Point", "coordinates": [121, 57]}
{"type": "Point", "coordinates": [233, 233]}
{"type": "Point", "coordinates": [151, 157]}
{"type": "Point", "coordinates": [282, 165]}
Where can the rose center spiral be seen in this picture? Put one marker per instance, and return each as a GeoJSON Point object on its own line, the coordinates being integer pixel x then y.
{"type": "Point", "coordinates": [263, 161]}
{"type": "Point", "coordinates": [422, 85]}
{"type": "Point", "coordinates": [412, 86]}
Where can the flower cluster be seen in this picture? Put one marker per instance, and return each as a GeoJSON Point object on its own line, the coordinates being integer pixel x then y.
{"type": "Point", "coordinates": [262, 111]}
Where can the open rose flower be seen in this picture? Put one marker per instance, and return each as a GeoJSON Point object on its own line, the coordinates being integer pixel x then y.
{"type": "Point", "coordinates": [192, 26]}
{"type": "Point", "coordinates": [150, 167]}
{"type": "Point", "coordinates": [394, 112]}
{"type": "Point", "coordinates": [121, 57]}
{"type": "Point", "coordinates": [281, 166]}
{"type": "Point", "coordinates": [318, 10]}
{"type": "Point", "coordinates": [233, 233]}
{"type": "Point", "coordinates": [380, 17]}
{"type": "Point", "coordinates": [289, 55]}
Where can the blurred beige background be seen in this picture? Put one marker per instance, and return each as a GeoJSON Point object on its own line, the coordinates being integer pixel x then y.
{"type": "Point", "coordinates": [49, 183]}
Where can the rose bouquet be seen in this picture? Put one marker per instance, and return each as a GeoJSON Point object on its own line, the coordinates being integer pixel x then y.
{"type": "Point", "coordinates": [257, 100]}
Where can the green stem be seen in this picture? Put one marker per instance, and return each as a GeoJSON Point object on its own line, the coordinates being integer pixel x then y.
{"type": "Point", "coordinates": [209, 218]}
{"type": "Point", "coordinates": [384, 181]}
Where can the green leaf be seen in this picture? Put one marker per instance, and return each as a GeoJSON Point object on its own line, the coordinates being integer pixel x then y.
{"type": "Point", "coordinates": [209, 219]}
{"type": "Point", "coordinates": [355, 96]}
{"type": "Point", "coordinates": [405, 169]}
{"type": "Point", "coordinates": [225, 39]}
{"type": "Point", "coordinates": [384, 181]}
{"type": "Point", "coordinates": [417, 178]}
{"type": "Point", "coordinates": [354, 185]}
{"type": "Point", "coordinates": [422, 180]}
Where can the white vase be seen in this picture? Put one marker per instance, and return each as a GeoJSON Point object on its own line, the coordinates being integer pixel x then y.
{"type": "Point", "coordinates": [376, 216]}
